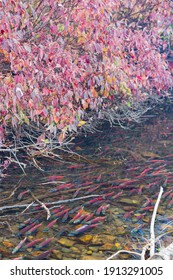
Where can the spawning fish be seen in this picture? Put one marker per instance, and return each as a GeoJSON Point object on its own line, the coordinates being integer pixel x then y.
{"type": "Point", "coordinates": [49, 225]}
{"type": "Point", "coordinates": [65, 217]}
{"type": "Point", "coordinates": [75, 166]}
{"type": "Point", "coordinates": [117, 195]}
{"type": "Point", "coordinates": [90, 190]}
{"type": "Point", "coordinates": [33, 243]}
{"type": "Point", "coordinates": [76, 192]}
{"type": "Point", "coordinates": [54, 177]}
{"type": "Point", "coordinates": [62, 186]}
{"type": "Point", "coordinates": [82, 229]}
{"type": "Point", "coordinates": [94, 200]}
{"type": "Point", "coordinates": [128, 214]}
{"type": "Point", "coordinates": [144, 172]}
{"type": "Point", "coordinates": [19, 246]}
{"type": "Point", "coordinates": [22, 194]}
{"type": "Point", "coordinates": [61, 213]}
{"type": "Point", "coordinates": [77, 215]}
{"type": "Point", "coordinates": [79, 220]}
{"type": "Point", "coordinates": [101, 210]}
{"type": "Point", "coordinates": [108, 194]}
{"type": "Point", "coordinates": [146, 208]}
{"type": "Point", "coordinates": [126, 183]}
{"type": "Point", "coordinates": [33, 229]}
{"type": "Point", "coordinates": [73, 210]}
{"type": "Point", "coordinates": [58, 210]}
{"type": "Point", "coordinates": [96, 220]}
{"type": "Point", "coordinates": [25, 229]}
{"type": "Point", "coordinates": [44, 243]}
{"type": "Point", "coordinates": [132, 191]}
{"type": "Point", "coordinates": [43, 255]}
{"type": "Point", "coordinates": [24, 224]}
{"type": "Point", "coordinates": [88, 217]}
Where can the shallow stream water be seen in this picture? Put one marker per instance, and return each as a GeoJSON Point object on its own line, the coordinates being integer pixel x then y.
{"type": "Point", "coordinates": [98, 200]}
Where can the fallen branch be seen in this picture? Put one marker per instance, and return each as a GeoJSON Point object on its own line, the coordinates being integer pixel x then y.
{"type": "Point", "coordinates": [152, 234]}
{"type": "Point", "coordinates": [10, 207]}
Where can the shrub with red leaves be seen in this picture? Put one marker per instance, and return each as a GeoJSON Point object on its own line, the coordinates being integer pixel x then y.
{"type": "Point", "coordinates": [71, 57]}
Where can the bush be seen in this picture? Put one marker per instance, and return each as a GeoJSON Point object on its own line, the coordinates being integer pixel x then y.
{"type": "Point", "coordinates": [66, 62]}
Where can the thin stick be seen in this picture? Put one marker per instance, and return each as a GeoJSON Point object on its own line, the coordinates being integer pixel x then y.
{"type": "Point", "coordinates": [7, 223]}
{"type": "Point", "coordinates": [42, 205]}
{"type": "Point", "coordinates": [28, 206]}
{"type": "Point", "coordinates": [152, 234]}
{"type": "Point", "coordinates": [49, 203]}
{"type": "Point", "coordinates": [18, 162]}
{"type": "Point", "coordinates": [14, 191]}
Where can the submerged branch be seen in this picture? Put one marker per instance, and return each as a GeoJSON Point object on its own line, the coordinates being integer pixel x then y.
{"type": "Point", "coordinates": [18, 206]}
{"type": "Point", "coordinates": [152, 234]}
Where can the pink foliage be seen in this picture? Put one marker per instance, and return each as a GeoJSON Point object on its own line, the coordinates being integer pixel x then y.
{"type": "Point", "coordinates": [67, 56]}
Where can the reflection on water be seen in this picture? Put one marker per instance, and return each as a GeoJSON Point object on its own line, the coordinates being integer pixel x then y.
{"type": "Point", "coordinates": [94, 204]}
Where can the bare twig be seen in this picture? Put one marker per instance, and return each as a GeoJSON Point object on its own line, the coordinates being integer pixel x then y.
{"type": "Point", "coordinates": [27, 207]}
{"type": "Point", "coordinates": [18, 206]}
{"type": "Point", "coordinates": [42, 205]}
{"type": "Point", "coordinates": [21, 164]}
{"type": "Point", "coordinates": [7, 223]}
{"type": "Point", "coordinates": [14, 190]}
{"type": "Point", "coordinates": [152, 234]}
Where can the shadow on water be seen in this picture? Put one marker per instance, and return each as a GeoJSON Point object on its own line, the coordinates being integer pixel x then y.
{"type": "Point", "coordinates": [99, 201]}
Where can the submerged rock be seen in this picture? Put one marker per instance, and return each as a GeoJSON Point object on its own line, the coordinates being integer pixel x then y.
{"type": "Point", "coordinates": [97, 240]}
{"type": "Point", "coordinates": [7, 243]}
{"type": "Point", "coordinates": [75, 250]}
{"type": "Point", "coordinates": [65, 242]}
{"type": "Point", "coordinates": [86, 238]}
{"type": "Point", "coordinates": [107, 246]}
{"type": "Point", "coordinates": [89, 252]}
{"type": "Point", "coordinates": [56, 254]}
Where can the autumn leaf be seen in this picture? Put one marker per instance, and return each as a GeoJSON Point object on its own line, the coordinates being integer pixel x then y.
{"type": "Point", "coordinates": [81, 123]}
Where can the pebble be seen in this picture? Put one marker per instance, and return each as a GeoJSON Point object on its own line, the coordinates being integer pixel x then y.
{"type": "Point", "coordinates": [7, 243]}
{"type": "Point", "coordinates": [97, 240]}
{"type": "Point", "coordinates": [75, 250]}
{"type": "Point", "coordinates": [94, 248]}
{"type": "Point", "coordinates": [57, 255]}
{"type": "Point", "coordinates": [65, 242]}
{"type": "Point", "coordinates": [65, 250]}
{"type": "Point", "coordinates": [108, 246]}
{"type": "Point", "coordinates": [89, 252]}
{"type": "Point", "coordinates": [86, 238]}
